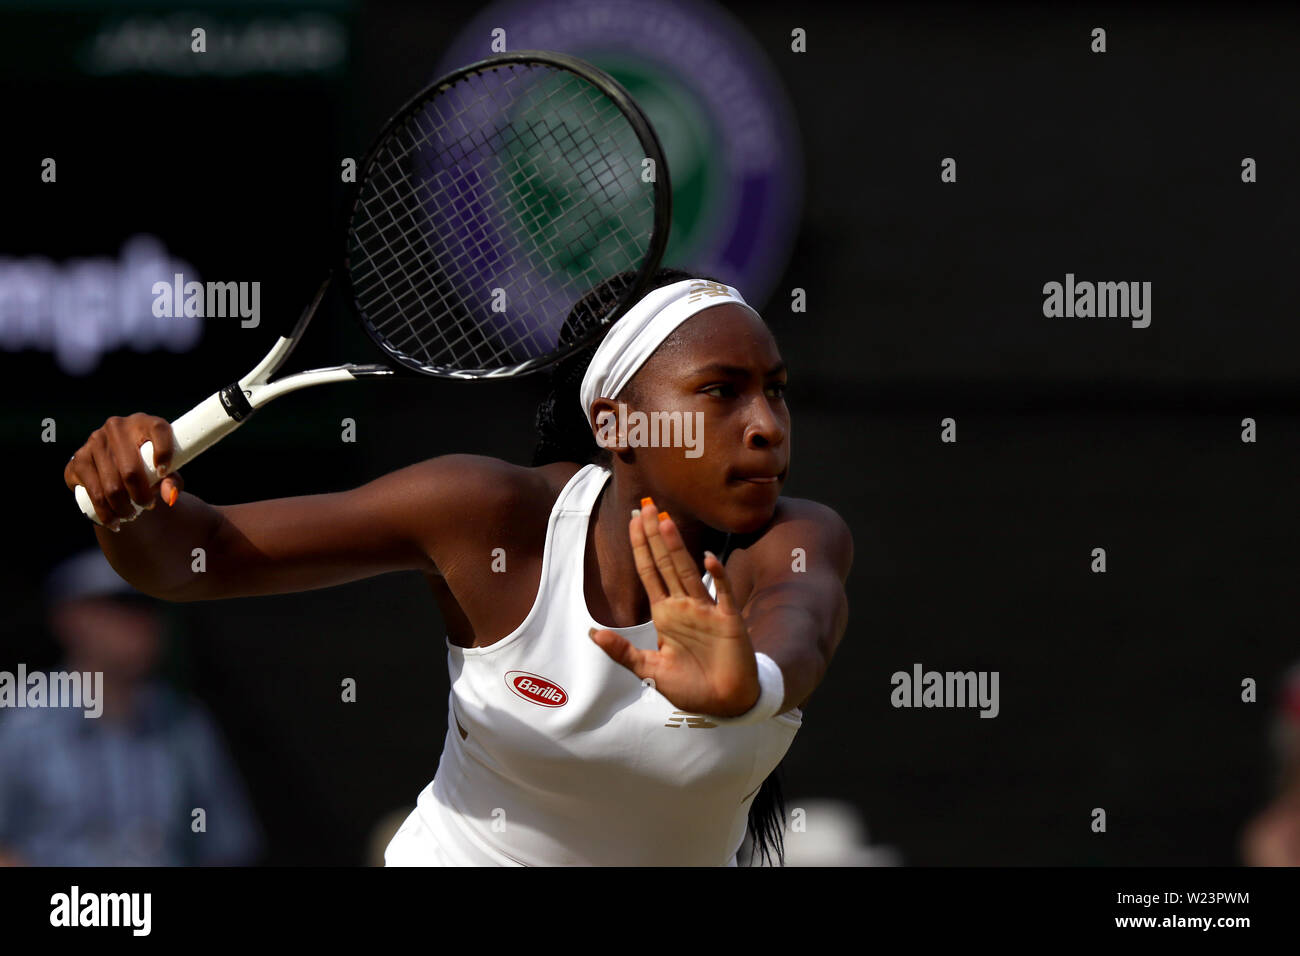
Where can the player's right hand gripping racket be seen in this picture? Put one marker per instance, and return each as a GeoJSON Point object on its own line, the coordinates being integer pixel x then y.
{"type": "Point", "coordinates": [492, 202]}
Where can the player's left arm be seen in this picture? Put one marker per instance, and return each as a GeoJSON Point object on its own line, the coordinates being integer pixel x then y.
{"type": "Point", "coordinates": [797, 609]}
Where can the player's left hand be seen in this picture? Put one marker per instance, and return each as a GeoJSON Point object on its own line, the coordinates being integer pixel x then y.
{"type": "Point", "coordinates": [705, 661]}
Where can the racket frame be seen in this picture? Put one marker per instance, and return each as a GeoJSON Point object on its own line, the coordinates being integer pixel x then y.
{"type": "Point", "coordinates": [645, 133]}
{"type": "Point", "coordinates": [226, 409]}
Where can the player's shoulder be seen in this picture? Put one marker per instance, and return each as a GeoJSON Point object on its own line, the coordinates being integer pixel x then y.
{"type": "Point", "coordinates": [816, 529]}
{"type": "Point", "coordinates": [805, 515]}
{"type": "Point", "coordinates": [807, 510]}
{"type": "Point", "coordinates": [453, 503]}
{"type": "Point", "coordinates": [481, 484]}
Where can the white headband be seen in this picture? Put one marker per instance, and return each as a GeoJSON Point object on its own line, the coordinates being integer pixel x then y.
{"type": "Point", "coordinates": [633, 338]}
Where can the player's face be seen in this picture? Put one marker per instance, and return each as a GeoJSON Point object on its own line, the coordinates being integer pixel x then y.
{"type": "Point", "coordinates": [721, 369]}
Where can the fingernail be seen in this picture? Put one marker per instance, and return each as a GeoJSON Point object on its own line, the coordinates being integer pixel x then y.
{"type": "Point", "coordinates": [635, 513]}
{"type": "Point", "coordinates": [710, 554]}
{"type": "Point", "coordinates": [171, 499]}
{"type": "Point", "coordinates": [591, 632]}
{"type": "Point", "coordinates": [663, 516]}
{"type": "Point", "coordinates": [647, 501]}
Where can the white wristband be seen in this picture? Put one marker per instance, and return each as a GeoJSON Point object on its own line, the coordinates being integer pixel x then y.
{"type": "Point", "coordinates": [771, 694]}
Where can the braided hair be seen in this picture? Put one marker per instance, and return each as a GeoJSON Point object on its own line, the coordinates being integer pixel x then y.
{"type": "Point", "coordinates": [564, 434]}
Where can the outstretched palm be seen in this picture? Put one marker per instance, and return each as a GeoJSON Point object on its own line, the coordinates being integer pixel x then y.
{"type": "Point", "coordinates": [705, 662]}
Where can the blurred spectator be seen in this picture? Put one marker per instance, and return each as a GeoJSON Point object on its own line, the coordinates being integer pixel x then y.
{"type": "Point", "coordinates": [826, 833]}
{"type": "Point", "coordinates": [1272, 837]}
{"type": "Point", "coordinates": [120, 789]}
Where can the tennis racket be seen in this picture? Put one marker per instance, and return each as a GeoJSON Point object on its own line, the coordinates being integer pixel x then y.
{"type": "Point", "coordinates": [489, 204]}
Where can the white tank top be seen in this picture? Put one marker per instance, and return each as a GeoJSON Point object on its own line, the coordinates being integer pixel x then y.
{"type": "Point", "coordinates": [555, 755]}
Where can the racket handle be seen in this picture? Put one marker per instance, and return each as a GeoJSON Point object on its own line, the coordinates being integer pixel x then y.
{"type": "Point", "coordinates": [192, 434]}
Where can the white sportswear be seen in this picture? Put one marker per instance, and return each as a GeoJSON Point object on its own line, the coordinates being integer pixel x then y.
{"type": "Point", "coordinates": [555, 755]}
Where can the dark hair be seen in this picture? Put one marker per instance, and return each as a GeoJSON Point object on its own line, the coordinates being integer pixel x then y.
{"type": "Point", "coordinates": [766, 824]}
{"type": "Point", "coordinates": [564, 434]}
{"type": "Point", "coordinates": [563, 431]}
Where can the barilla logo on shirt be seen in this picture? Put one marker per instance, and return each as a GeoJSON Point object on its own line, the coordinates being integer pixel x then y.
{"type": "Point", "coordinates": [537, 689]}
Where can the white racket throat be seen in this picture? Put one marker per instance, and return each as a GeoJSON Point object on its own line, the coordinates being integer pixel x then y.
{"type": "Point", "coordinates": [223, 411]}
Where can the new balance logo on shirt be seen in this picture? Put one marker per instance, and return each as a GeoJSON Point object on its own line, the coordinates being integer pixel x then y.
{"type": "Point", "coordinates": [682, 719]}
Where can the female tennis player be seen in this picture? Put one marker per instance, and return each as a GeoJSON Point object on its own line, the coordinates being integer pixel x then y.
{"type": "Point", "coordinates": [610, 704]}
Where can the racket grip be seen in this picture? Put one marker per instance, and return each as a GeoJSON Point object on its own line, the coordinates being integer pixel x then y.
{"type": "Point", "coordinates": [192, 434]}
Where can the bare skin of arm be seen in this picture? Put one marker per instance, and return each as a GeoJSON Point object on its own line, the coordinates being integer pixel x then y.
{"type": "Point", "coordinates": [417, 518]}
{"type": "Point", "coordinates": [796, 612]}
{"type": "Point", "coordinates": [444, 517]}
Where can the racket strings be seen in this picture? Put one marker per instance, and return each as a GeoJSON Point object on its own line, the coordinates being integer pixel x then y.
{"type": "Point", "coordinates": [464, 188]}
{"type": "Point", "coordinates": [422, 235]}
{"type": "Point", "coordinates": [428, 282]}
{"type": "Point", "coordinates": [457, 204]}
{"type": "Point", "coordinates": [594, 175]}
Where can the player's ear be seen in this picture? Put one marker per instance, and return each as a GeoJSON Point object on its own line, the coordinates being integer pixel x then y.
{"type": "Point", "coordinates": [609, 425]}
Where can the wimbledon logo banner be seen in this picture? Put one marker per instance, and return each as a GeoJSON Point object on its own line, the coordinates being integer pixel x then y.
{"type": "Point", "coordinates": [720, 112]}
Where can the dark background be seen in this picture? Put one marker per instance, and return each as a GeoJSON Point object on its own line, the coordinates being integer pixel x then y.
{"type": "Point", "coordinates": [1119, 690]}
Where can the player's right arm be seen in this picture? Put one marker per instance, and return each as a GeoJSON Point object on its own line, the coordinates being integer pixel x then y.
{"type": "Point", "coordinates": [279, 545]}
